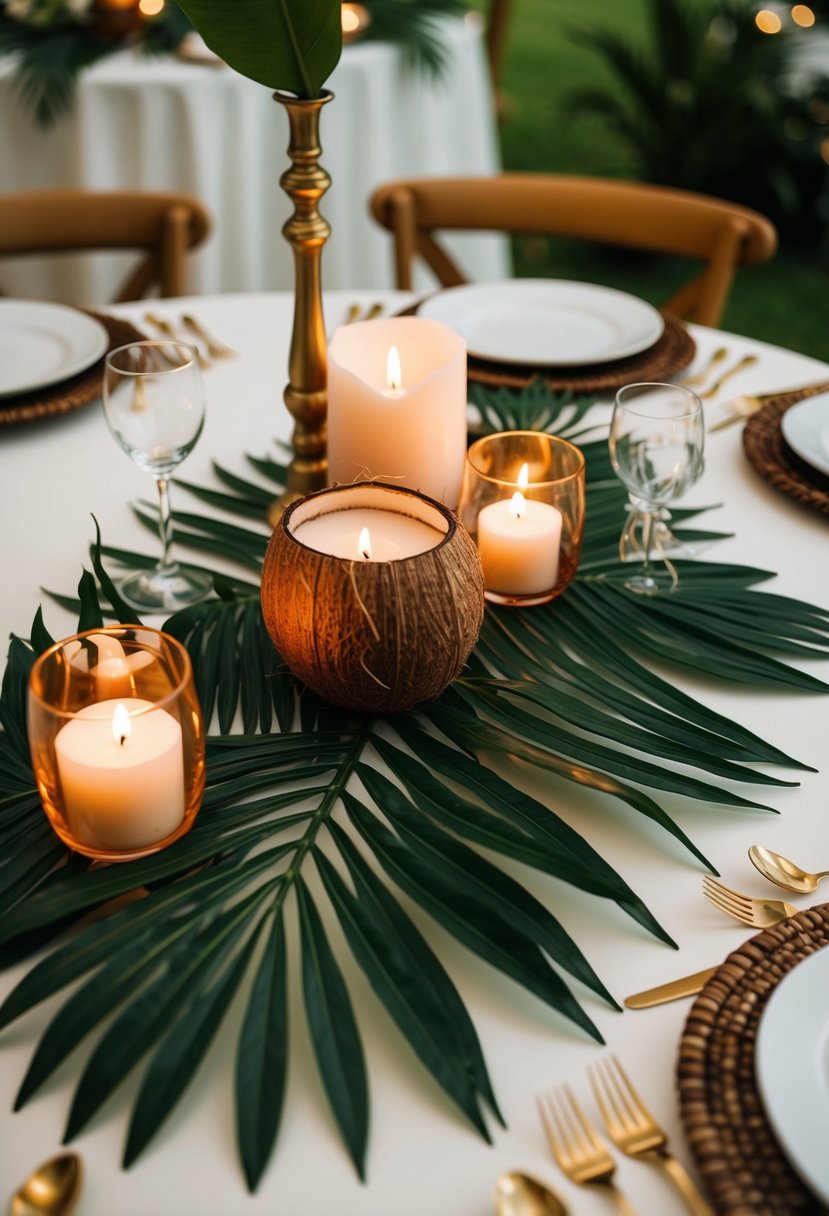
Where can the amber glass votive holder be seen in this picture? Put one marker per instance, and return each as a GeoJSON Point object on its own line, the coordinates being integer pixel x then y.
{"type": "Point", "coordinates": [117, 740]}
{"type": "Point", "coordinates": [523, 505]}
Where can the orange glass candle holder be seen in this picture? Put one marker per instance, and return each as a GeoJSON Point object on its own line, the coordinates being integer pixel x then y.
{"type": "Point", "coordinates": [523, 504]}
{"type": "Point", "coordinates": [117, 739]}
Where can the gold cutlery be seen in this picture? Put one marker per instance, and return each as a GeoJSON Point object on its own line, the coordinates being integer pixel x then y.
{"type": "Point", "coordinates": [635, 1132]}
{"type": "Point", "coordinates": [700, 377]}
{"type": "Point", "coordinates": [354, 311]}
{"type": "Point", "coordinates": [674, 990]}
{"type": "Point", "coordinates": [215, 348]}
{"type": "Point", "coordinates": [743, 407]}
{"type": "Point", "coordinates": [741, 365]}
{"type": "Point", "coordinates": [520, 1195]}
{"type": "Point", "coordinates": [783, 872]}
{"type": "Point", "coordinates": [760, 913]}
{"type": "Point", "coordinates": [50, 1190]}
{"type": "Point", "coordinates": [165, 327]}
{"type": "Point", "coordinates": [577, 1147]}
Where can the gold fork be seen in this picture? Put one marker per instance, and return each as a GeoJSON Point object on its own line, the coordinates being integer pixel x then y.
{"type": "Point", "coordinates": [635, 1132]}
{"type": "Point", "coordinates": [760, 913]}
{"type": "Point", "coordinates": [576, 1145]}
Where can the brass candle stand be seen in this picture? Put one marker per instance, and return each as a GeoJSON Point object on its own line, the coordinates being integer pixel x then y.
{"type": "Point", "coordinates": [305, 395]}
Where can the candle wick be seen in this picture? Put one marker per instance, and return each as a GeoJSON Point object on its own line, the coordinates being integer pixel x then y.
{"type": "Point", "coordinates": [122, 740]}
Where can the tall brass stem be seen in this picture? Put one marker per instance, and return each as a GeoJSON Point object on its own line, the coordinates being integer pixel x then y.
{"type": "Point", "coordinates": [305, 395]}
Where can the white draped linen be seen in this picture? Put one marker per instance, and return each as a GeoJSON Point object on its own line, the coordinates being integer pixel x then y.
{"type": "Point", "coordinates": [422, 1157]}
{"type": "Point", "coordinates": [157, 123]}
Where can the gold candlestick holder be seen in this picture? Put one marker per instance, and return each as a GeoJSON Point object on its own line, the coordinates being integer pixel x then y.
{"type": "Point", "coordinates": [305, 395]}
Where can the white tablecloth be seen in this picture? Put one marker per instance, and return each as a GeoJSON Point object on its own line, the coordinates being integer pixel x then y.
{"type": "Point", "coordinates": [422, 1157]}
{"type": "Point", "coordinates": [158, 123]}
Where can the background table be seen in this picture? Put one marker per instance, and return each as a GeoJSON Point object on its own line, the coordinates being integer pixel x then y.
{"type": "Point", "coordinates": [422, 1156]}
{"type": "Point", "coordinates": [159, 123]}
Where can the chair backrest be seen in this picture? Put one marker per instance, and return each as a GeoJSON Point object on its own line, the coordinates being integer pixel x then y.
{"type": "Point", "coordinates": [720, 234]}
{"type": "Point", "coordinates": [161, 227]}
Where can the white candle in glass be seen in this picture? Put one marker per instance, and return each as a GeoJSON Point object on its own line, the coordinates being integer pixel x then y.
{"type": "Point", "coordinates": [391, 536]}
{"type": "Point", "coordinates": [405, 425]}
{"type": "Point", "coordinates": [519, 540]}
{"type": "Point", "coordinates": [121, 770]}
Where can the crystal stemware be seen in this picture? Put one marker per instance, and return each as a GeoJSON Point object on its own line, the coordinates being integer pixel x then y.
{"type": "Point", "coordinates": [154, 406]}
{"type": "Point", "coordinates": [656, 445]}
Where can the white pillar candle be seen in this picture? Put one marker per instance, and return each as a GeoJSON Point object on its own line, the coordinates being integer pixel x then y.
{"type": "Point", "coordinates": [409, 432]}
{"type": "Point", "coordinates": [519, 540]}
{"type": "Point", "coordinates": [122, 784]}
{"type": "Point", "coordinates": [390, 535]}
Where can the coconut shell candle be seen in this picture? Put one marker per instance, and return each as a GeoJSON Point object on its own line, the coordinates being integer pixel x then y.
{"type": "Point", "coordinates": [373, 595]}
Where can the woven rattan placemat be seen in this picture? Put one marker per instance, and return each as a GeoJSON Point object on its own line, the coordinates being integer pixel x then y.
{"type": "Point", "coordinates": [673, 352]}
{"type": "Point", "coordinates": [741, 1163]}
{"type": "Point", "coordinates": [68, 395]}
{"type": "Point", "coordinates": [775, 461]}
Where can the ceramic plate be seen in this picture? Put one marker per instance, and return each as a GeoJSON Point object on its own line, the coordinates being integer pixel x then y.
{"type": "Point", "coordinates": [792, 1067]}
{"type": "Point", "coordinates": [546, 322]}
{"type": "Point", "coordinates": [805, 428]}
{"type": "Point", "coordinates": [43, 343]}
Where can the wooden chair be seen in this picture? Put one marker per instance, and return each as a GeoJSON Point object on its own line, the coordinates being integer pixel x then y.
{"type": "Point", "coordinates": [162, 227]}
{"type": "Point", "coordinates": [720, 234]}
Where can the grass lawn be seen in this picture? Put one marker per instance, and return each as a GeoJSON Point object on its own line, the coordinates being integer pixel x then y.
{"type": "Point", "coordinates": [781, 303]}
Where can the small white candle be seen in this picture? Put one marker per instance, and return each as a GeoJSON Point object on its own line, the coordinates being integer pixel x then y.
{"type": "Point", "coordinates": [390, 536]}
{"type": "Point", "coordinates": [122, 777]}
{"type": "Point", "coordinates": [519, 540]}
{"type": "Point", "coordinates": [397, 405]}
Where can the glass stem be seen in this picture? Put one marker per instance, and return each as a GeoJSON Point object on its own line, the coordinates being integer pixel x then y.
{"type": "Point", "coordinates": [165, 524]}
{"type": "Point", "coordinates": [647, 539]}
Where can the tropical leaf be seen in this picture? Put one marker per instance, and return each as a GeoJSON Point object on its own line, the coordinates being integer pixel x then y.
{"type": "Point", "coordinates": [287, 46]}
{"type": "Point", "coordinates": [582, 689]}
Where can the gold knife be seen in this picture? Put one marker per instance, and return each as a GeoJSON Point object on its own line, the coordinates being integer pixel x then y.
{"type": "Point", "coordinates": [689, 985]}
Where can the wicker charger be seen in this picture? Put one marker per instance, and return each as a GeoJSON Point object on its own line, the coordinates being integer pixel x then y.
{"type": "Point", "coordinates": [741, 1163]}
{"type": "Point", "coordinates": [673, 351]}
{"type": "Point", "coordinates": [774, 460]}
{"type": "Point", "coordinates": [670, 354]}
{"type": "Point", "coordinates": [68, 395]}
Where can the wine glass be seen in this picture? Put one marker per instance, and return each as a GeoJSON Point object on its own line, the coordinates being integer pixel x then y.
{"type": "Point", "coordinates": [656, 444]}
{"type": "Point", "coordinates": [154, 406]}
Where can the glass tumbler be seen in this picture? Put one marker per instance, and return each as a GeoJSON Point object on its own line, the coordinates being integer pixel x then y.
{"type": "Point", "coordinates": [117, 741]}
{"type": "Point", "coordinates": [523, 504]}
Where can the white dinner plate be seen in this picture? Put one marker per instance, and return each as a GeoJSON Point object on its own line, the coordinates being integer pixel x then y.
{"type": "Point", "coordinates": [792, 1068]}
{"type": "Point", "coordinates": [546, 322]}
{"type": "Point", "coordinates": [805, 428]}
{"type": "Point", "coordinates": [43, 343]}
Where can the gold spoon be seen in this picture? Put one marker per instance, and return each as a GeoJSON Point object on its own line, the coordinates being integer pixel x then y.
{"type": "Point", "coordinates": [51, 1190]}
{"type": "Point", "coordinates": [519, 1195]}
{"type": "Point", "coordinates": [783, 872]}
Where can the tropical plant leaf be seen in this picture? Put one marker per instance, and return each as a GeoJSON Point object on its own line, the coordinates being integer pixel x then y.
{"type": "Point", "coordinates": [287, 46]}
{"type": "Point", "coordinates": [334, 1032]}
{"type": "Point", "coordinates": [262, 1058]}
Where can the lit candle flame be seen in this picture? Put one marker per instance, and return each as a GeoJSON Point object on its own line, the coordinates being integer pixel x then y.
{"type": "Point", "coordinates": [350, 19]}
{"type": "Point", "coordinates": [394, 374]}
{"type": "Point", "coordinates": [518, 506]}
{"type": "Point", "coordinates": [364, 543]}
{"type": "Point", "coordinates": [121, 727]}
